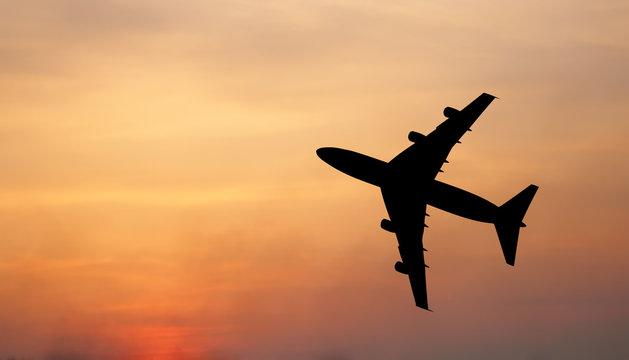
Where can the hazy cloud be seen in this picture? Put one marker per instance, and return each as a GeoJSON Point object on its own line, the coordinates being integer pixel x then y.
{"type": "Point", "coordinates": [161, 196]}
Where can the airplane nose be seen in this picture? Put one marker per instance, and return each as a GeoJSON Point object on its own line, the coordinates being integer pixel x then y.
{"type": "Point", "coordinates": [326, 153]}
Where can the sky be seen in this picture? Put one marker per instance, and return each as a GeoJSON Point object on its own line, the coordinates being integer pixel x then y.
{"type": "Point", "coordinates": [161, 198]}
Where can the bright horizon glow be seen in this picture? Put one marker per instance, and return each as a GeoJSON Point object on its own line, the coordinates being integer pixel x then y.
{"type": "Point", "coordinates": [161, 197]}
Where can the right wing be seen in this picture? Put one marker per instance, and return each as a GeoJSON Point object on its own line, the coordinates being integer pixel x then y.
{"type": "Point", "coordinates": [412, 254]}
{"type": "Point", "coordinates": [407, 222]}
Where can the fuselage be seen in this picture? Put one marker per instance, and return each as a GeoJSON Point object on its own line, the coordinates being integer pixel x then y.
{"type": "Point", "coordinates": [406, 176]}
{"type": "Point", "coordinates": [403, 179]}
{"type": "Point", "coordinates": [460, 202]}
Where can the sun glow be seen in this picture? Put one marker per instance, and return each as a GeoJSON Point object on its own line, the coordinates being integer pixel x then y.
{"type": "Point", "coordinates": [160, 195]}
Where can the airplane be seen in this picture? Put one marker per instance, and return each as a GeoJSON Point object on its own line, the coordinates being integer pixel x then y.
{"type": "Point", "coordinates": [408, 184]}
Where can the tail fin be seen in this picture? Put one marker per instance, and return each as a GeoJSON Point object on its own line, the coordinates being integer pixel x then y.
{"type": "Point", "coordinates": [509, 221]}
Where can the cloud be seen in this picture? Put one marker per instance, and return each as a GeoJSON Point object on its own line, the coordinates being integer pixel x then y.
{"type": "Point", "coordinates": [160, 184]}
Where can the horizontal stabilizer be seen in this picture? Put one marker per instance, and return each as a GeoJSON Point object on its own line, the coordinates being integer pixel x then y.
{"type": "Point", "coordinates": [509, 221]}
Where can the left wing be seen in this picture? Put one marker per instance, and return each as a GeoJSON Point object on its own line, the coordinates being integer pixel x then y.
{"type": "Point", "coordinates": [449, 132]}
{"type": "Point", "coordinates": [430, 152]}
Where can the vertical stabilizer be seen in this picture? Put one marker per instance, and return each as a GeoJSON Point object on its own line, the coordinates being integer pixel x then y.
{"type": "Point", "coordinates": [509, 221]}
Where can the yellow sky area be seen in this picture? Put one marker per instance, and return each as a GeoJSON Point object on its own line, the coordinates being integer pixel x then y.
{"type": "Point", "coordinates": [161, 198]}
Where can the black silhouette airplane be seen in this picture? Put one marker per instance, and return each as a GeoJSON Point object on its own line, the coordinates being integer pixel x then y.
{"type": "Point", "coordinates": [408, 185]}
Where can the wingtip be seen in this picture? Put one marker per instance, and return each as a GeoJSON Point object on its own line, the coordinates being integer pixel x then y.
{"type": "Point", "coordinates": [423, 306]}
{"type": "Point", "coordinates": [493, 96]}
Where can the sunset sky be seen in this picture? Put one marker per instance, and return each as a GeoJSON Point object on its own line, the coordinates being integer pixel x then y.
{"type": "Point", "coordinates": [161, 198]}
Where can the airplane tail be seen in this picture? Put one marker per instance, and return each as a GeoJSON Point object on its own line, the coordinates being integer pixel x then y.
{"type": "Point", "coordinates": [509, 221]}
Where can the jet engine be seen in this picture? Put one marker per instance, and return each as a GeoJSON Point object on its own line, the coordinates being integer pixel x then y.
{"type": "Point", "coordinates": [401, 268]}
{"type": "Point", "coordinates": [450, 112]}
{"type": "Point", "coordinates": [387, 225]}
{"type": "Point", "coordinates": [414, 136]}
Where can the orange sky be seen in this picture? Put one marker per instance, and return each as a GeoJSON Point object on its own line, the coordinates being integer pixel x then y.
{"type": "Point", "coordinates": [161, 197]}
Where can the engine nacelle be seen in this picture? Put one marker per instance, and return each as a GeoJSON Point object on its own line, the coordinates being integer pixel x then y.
{"type": "Point", "coordinates": [387, 225]}
{"type": "Point", "coordinates": [450, 112]}
{"type": "Point", "coordinates": [401, 268]}
{"type": "Point", "coordinates": [414, 136]}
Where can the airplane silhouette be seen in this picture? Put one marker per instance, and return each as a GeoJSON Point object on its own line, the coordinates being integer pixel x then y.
{"type": "Point", "coordinates": [408, 185]}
